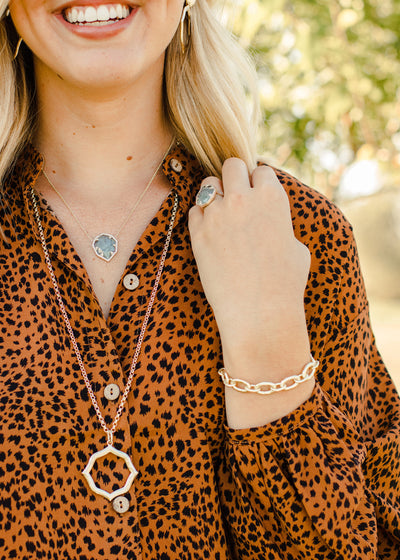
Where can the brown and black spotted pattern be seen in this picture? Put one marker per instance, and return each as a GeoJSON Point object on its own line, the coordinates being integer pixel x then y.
{"type": "Point", "coordinates": [321, 483]}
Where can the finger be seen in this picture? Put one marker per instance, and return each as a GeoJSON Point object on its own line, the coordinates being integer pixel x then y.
{"type": "Point", "coordinates": [235, 176]}
{"type": "Point", "coordinates": [214, 181]}
{"type": "Point", "coordinates": [265, 175]}
{"type": "Point", "coordinates": [196, 216]}
{"type": "Point", "coordinates": [264, 178]}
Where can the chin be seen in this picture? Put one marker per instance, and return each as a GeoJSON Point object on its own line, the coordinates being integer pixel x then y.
{"type": "Point", "coordinates": [102, 75]}
{"type": "Point", "coordinates": [102, 71]}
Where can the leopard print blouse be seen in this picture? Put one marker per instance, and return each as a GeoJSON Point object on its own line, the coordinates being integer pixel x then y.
{"type": "Point", "coordinates": [321, 483]}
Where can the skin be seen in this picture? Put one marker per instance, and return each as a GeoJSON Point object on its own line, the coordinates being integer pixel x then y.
{"type": "Point", "coordinates": [101, 128]}
{"type": "Point", "coordinates": [254, 272]}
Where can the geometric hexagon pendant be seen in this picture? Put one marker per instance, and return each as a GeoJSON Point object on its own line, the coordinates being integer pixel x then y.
{"type": "Point", "coordinates": [110, 495]}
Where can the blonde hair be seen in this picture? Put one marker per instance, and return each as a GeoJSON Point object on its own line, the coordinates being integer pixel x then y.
{"type": "Point", "coordinates": [16, 97]}
{"type": "Point", "coordinates": [208, 93]}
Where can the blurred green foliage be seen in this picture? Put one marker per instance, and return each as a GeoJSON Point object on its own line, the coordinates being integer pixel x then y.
{"type": "Point", "coordinates": [329, 76]}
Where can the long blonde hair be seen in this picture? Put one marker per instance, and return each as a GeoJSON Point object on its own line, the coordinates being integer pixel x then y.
{"type": "Point", "coordinates": [210, 97]}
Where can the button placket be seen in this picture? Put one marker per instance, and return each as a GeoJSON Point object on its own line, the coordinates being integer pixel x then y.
{"type": "Point", "coordinates": [112, 391]}
{"type": "Point", "coordinates": [130, 281]}
{"type": "Point", "coordinates": [121, 504]}
{"type": "Point", "coordinates": [175, 165]}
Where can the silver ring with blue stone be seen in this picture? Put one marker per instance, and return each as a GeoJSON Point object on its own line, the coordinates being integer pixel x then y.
{"type": "Point", "coordinates": [206, 195]}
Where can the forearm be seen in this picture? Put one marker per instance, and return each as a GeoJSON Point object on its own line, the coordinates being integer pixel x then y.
{"type": "Point", "coordinates": [247, 410]}
{"type": "Point", "coordinates": [254, 272]}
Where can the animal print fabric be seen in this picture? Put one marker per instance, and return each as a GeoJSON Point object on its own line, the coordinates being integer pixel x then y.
{"type": "Point", "coordinates": [320, 483]}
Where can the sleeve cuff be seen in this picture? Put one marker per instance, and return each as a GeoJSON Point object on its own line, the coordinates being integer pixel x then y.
{"type": "Point", "coordinates": [282, 426]}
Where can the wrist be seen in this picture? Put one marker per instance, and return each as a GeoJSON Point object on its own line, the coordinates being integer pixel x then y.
{"type": "Point", "coordinates": [276, 342]}
{"type": "Point", "coordinates": [269, 361]}
{"type": "Point", "coordinates": [268, 387]}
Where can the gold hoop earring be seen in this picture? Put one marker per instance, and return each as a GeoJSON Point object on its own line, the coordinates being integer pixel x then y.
{"type": "Point", "coordinates": [8, 12]}
{"type": "Point", "coordinates": [185, 26]}
{"type": "Point", "coordinates": [17, 49]}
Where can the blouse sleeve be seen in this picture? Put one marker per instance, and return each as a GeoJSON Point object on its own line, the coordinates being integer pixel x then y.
{"type": "Point", "coordinates": [324, 481]}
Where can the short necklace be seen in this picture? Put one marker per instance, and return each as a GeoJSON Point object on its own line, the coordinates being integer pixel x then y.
{"type": "Point", "coordinates": [108, 430]}
{"type": "Point", "coordinates": [105, 245]}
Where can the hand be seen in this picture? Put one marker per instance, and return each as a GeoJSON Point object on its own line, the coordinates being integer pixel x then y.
{"type": "Point", "coordinates": [254, 272]}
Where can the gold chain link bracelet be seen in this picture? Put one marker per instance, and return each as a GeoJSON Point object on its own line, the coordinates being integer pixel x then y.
{"type": "Point", "coordinates": [266, 387]}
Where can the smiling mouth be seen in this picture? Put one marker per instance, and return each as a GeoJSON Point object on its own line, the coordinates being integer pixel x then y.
{"type": "Point", "coordinates": [105, 14]}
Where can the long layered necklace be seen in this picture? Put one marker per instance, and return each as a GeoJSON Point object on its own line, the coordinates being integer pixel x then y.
{"type": "Point", "coordinates": [109, 431]}
{"type": "Point", "coordinates": [105, 245]}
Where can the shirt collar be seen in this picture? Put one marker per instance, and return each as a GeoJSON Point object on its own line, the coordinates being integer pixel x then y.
{"type": "Point", "coordinates": [180, 167]}
{"type": "Point", "coordinates": [185, 175]}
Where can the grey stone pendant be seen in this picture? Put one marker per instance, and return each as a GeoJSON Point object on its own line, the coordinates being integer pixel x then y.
{"type": "Point", "coordinates": [105, 246]}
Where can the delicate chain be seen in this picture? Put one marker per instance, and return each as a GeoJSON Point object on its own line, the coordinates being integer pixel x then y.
{"type": "Point", "coordinates": [67, 205]}
{"type": "Point", "coordinates": [108, 431]}
{"type": "Point", "coordinates": [267, 387]}
{"type": "Point", "coordinates": [137, 202]}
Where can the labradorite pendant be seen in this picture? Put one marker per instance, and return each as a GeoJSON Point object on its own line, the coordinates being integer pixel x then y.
{"type": "Point", "coordinates": [105, 246]}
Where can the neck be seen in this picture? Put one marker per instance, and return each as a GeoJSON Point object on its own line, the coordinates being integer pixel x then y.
{"type": "Point", "coordinates": [101, 144]}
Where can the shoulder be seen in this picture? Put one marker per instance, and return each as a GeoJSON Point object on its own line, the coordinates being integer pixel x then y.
{"type": "Point", "coordinates": [335, 276]}
{"type": "Point", "coordinates": [314, 216]}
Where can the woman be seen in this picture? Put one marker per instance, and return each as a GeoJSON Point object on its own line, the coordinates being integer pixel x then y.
{"type": "Point", "coordinates": [118, 437]}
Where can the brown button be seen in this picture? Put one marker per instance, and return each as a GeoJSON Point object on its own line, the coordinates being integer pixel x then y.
{"type": "Point", "coordinates": [131, 281]}
{"type": "Point", "coordinates": [111, 392]}
{"type": "Point", "coordinates": [121, 504]}
{"type": "Point", "coordinates": [175, 165]}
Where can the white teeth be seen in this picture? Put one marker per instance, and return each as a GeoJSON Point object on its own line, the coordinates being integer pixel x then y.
{"type": "Point", "coordinates": [90, 14]}
{"type": "Point", "coordinates": [102, 14]}
{"type": "Point", "coordinates": [93, 15]}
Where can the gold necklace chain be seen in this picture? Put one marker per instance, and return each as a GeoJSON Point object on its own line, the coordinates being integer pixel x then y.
{"type": "Point", "coordinates": [109, 431]}
{"type": "Point", "coordinates": [110, 240]}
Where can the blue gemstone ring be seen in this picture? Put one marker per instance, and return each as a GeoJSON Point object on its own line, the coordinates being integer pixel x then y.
{"type": "Point", "coordinates": [206, 195]}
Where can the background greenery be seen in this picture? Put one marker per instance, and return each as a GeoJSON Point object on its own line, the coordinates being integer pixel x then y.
{"type": "Point", "coordinates": [329, 81]}
{"type": "Point", "coordinates": [329, 78]}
